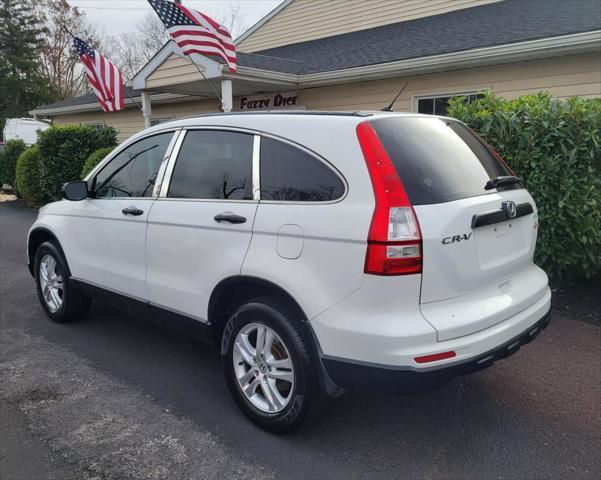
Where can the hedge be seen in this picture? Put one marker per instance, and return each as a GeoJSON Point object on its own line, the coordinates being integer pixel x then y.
{"type": "Point", "coordinates": [94, 160]}
{"type": "Point", "coordinates": [8, 162]}
{"type": "Point", "coordinates": [63, 151]}
{"type": "Point", "coordinates": [28, 177]}
{"type": "Point", "coordinates": [555, 146]}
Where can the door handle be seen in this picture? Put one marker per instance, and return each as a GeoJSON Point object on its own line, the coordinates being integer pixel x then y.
{"type": "Point", "coordinates": [132, 211]}
{"type": "Point", "coordinates": [229, 217]}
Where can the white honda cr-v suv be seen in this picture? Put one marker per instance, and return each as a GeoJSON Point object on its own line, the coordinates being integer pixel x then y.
{"type": "Point", "coordinates": [322, 251]}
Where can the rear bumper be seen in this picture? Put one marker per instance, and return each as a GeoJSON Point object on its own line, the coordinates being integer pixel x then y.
{"type": "Point", "coordinates": [352, 374]}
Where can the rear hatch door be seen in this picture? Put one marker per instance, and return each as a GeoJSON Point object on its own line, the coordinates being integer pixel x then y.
{"type": "Point", "coordinates": [474, 239]}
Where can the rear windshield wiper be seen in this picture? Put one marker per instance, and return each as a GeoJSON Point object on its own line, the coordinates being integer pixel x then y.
{"type": "Point", "coordinates": [502, 180]}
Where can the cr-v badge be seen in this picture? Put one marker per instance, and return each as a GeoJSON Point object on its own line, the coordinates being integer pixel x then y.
{"type": "Point", "coordinates": [456, 238]}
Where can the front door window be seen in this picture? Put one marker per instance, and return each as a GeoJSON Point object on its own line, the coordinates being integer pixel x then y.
{"type": "Point", "coordinates": [133, 172]}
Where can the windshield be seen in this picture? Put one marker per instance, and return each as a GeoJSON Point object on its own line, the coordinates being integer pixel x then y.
{"type": "Point", "coordinates": [439, 160]}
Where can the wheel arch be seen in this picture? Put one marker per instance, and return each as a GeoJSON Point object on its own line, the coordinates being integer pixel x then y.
{"type": "Point", "coordinates": [233, 291]}
{"type": "Point", "coordinates": [36, 237]}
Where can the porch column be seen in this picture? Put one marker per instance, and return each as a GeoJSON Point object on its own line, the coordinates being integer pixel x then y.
{"type": "Point", "coordinates": [226, 95]}
{"type": "Point", "coordinates": [146, 108]}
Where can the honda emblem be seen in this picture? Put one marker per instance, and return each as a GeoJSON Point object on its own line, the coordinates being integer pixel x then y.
{"type": "Point", "coordinates": [509, 208]}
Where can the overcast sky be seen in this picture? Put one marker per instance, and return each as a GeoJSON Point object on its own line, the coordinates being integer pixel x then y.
{"type": "Point", "coordinates": [117, 17]}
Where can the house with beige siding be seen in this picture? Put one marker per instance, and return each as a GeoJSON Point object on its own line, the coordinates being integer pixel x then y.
{"type": "Point", "coordinates": [358, 54]}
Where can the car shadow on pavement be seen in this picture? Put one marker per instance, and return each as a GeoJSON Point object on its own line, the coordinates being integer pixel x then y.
{"type": "Point", "coordinates": [534, 415]}
{"type": "Point", "coordinates": [471, 426]}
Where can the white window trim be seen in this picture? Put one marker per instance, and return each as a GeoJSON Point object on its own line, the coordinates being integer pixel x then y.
{"type": "Point", "coordinates": [164, 119]}
{"type": "Point", "coordinates": [94, 123]}
{"type": "Point", "coordinates": [462, 93]}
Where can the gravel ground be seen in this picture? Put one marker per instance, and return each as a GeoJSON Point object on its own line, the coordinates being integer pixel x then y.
{"type": "Point", "coordinates": [114, 397]}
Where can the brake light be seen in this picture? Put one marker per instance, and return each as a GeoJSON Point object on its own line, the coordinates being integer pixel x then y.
{"type": "Point", "coordinates": [394, 243]}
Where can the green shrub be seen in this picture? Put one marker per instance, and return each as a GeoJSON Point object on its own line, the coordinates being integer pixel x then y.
{"type": "Point", "coordinates": [555, 146]}
{"type": "Point", "coordinates": [63, 151]}
{"type": "Point", "coordinates": [28, 177]}
{"type": "Point", "coordinates": [95, 159]}
{"type": "Point", "coordinates": [11, 152]}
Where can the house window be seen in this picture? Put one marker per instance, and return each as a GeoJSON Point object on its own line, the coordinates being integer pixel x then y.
{"type": "Point", "coordinates": [94, 125]}
{"type": "Point", "coordinates": [158, 120]}
{"type": "Point", "coordinates": [438, 105]}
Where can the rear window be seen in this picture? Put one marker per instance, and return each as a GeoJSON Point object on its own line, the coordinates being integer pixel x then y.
{"type": "Point", "coordinates": [289, 174]}
{"type": "Point", "coordinates": [439, 160]}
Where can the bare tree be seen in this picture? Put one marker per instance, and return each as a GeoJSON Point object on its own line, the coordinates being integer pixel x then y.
{"type": "Point", "coordinates": [132, 51]}
{"type": "Point", "coordinates": [60, 64]}
{"type": "Point", "coordinates": [233, 19]}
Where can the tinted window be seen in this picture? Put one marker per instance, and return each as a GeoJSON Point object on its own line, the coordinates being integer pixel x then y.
{"type": "Point", "coordinates": [438, 160]}
{"type": "Point", "coordinates": [290, 174]}
{"type": "Point", "coordinates": [213, 165]}
{"type": "Point", "coordinates": [133, 172]}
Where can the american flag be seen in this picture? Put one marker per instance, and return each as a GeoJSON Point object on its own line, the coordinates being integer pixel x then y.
{"type": "Point", "coordinates": [105, 78]}
{"type": "Point", "coordinates": [194, 32]}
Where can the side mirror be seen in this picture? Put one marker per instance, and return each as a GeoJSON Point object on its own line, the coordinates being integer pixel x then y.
{"type": "Point", "coordinates": [75, 191]}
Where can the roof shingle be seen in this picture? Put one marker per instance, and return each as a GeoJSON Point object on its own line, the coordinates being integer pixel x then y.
{"type": "Point", "coordinates": [499, 23]}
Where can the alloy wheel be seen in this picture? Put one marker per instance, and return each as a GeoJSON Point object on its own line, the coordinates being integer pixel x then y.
{"type": "Point", "coordinates": [263, 367]}
{"type": "Point", "coordinates": [51, 283]}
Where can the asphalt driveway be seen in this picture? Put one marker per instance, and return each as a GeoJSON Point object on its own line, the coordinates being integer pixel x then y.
{"type": "Point", "coordinates": [117, 397]}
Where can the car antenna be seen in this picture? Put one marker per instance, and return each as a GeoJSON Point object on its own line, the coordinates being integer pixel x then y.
{"type": "Point", "coordinates": [389, 107]}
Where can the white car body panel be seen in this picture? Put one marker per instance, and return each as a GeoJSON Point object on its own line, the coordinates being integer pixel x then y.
{"type": "Point", "coordinates": [379, 326]}
{"type": "Point", "coordinates": [188, 253]}
{"type": "Point", "coordinates": [460, 316]}
{"type": "Point", "coordinates": [491, 254]}
{"type": "Point", "coordinates": [473, 295]}
{"type": "Point", "coordinates": [325, 270]}
{"type": "Point", "coordinates": [108, 248]}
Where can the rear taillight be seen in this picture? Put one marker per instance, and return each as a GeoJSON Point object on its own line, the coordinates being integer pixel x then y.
{"type": "Point", "coordinates": [394, 243]}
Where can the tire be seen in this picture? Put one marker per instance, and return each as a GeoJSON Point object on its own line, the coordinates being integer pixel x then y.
{"type": "Point", "coordinates": [290, 347]}
{"type": "Point", "coordinates": [64, 304]}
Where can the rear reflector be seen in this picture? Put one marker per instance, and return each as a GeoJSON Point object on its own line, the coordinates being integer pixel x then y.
{"type": "Point", "coordinates": [435, 357]}
{"type": "Point", "coordinates": [394, 243]}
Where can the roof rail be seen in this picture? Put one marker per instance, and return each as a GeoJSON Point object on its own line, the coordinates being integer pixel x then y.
{"type": "Point", "coordinates": [281, 112]}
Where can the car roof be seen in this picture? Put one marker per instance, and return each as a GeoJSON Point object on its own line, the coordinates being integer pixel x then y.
{"type": "Point", "coordinates": [359, 115]}
{"type": "Point", "coordinates": [264, 119]}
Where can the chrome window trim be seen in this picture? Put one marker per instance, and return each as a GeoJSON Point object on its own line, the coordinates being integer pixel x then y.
{"type": "Point", "coordinates": [170, 164]}
{"type": "Point", "coordinates": [256, 168]}
{"type": "Point", "coordinates": [317, 157]}
{"type": "Point", "coordinates": [161, 173]}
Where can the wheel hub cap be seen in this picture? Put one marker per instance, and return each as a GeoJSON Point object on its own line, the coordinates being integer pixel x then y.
{"type": "Point", "coordinates": [263, 367]}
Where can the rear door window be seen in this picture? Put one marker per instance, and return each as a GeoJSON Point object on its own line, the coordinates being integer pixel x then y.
{"type": "Point", "coordinates": [215, 165]}
{"type": "Point", "coordinates": [292, 175]}
{"type": "Point", "coordinates": [439, 160]}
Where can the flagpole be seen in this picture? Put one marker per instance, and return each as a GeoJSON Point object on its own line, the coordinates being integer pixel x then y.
{"type": "Point", "coordinates": [207, 80]}
{"type": "Point", "coordinates": [132, 98]}
{"type": "Point", "coordinates": [179, 2]}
